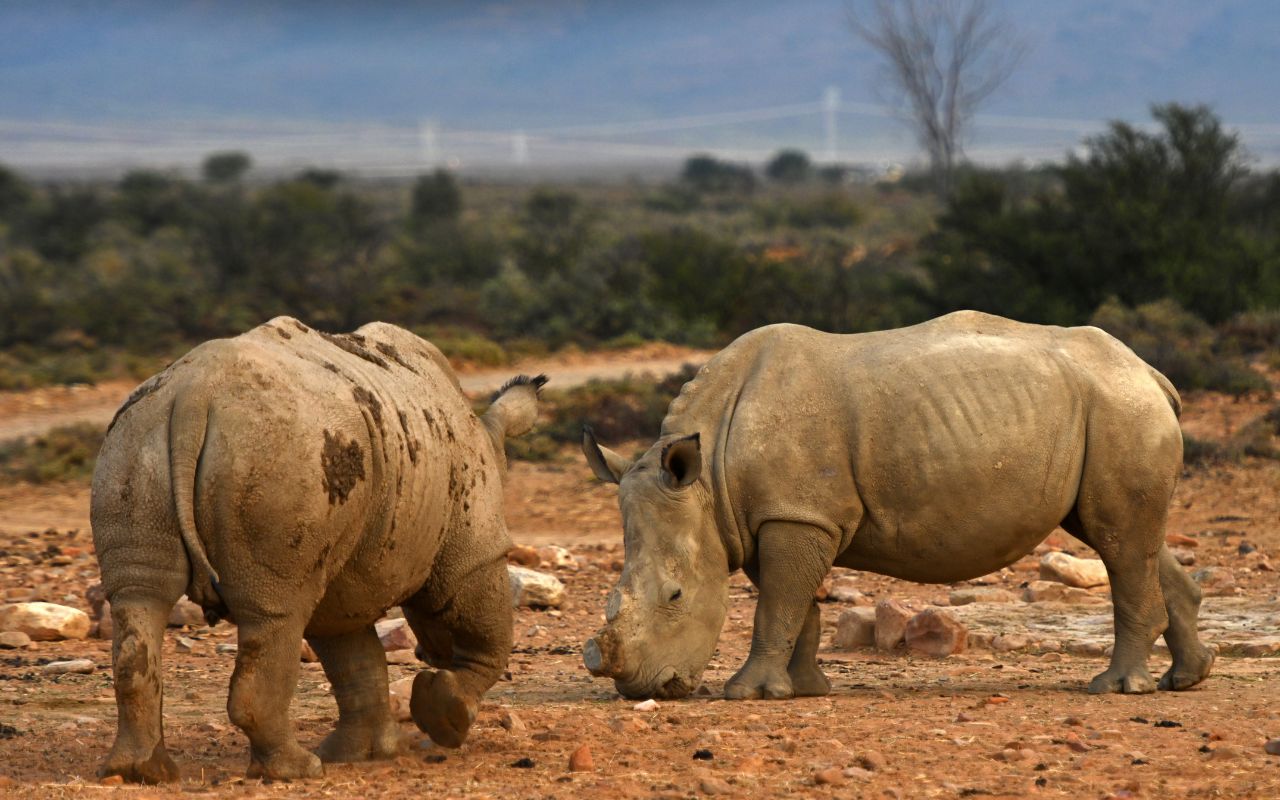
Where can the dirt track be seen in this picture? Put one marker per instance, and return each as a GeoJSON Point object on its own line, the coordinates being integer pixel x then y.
{"type": "Point", "coordinates": [984, 723]}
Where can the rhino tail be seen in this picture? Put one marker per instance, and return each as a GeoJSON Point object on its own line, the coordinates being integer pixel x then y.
{"type": "Point", "coordinates": [188, 423]}
{"type": "Point", "coordinates": [1169, 392]}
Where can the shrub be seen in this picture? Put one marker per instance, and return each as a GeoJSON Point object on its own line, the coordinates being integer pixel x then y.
{"type": "Point", "coordinates": [61, 454]}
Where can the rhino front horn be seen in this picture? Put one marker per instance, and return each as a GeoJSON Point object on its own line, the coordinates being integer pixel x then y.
{"type": "Point", "coordinates": [597, 660]}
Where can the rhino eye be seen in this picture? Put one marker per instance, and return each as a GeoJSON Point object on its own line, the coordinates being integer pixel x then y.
{"type": "Point", "coordinates": [675, 596]}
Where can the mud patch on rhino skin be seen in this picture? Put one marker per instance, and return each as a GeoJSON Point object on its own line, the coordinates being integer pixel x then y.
{"type": "Point", "coordinates": [300, 326]}
{"type": "Point", "coordinates": [365, 398]}
{"type": "Point", "coordinates": [148, 388]}
{"type": "Point", "coordinates": [343, 466]}
{"type": "Point", "coordinates": [410, 442]}
{"type": "Point", "coordinates": [331, 368]}
{"type": "Point", "coordinates": [390, 351]}
{"type": "Point", "coordinates": [353, 343]}
{"type": "Point", "coordinates": [283, 333]}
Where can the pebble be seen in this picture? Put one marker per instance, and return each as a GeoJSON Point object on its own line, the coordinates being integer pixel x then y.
{"type": "Point", "coordinates": [395, 634]}
{"type": "Point", "coordinates": [646, 705]}
{"type": "Point", "coordinates": [511, 721]}
{"type": "Point", "coordinates": [858, 773]}
{"type": "Point", "coordinates": [1272, 747]}
{"type": "Point", "coordinates": [186, 614]}
{"type": "Point", "coordinates": [226, 649]}
{"type": "Point", "coordinates": [844, 589]}
{"type": "Point", "coordinates": [556, 556]}
{"type": "Point", "coordinates": [1183, 556]}
{"type": "Point", "coordinates": [1180, 540]}
{"type": "Point", "coordinates": [14, 639]}
{"type": "Point", "coordinates": [534, 589]}
{"type": "Point", "coordinates": [831, 776]}
{"type": "Point", "coordinates": [400, 692]}
{"type": "Point", "coordinates": [45, 622]}
{"type": "Point", "coordinates": [580, 760]}
{"type": "Point", "coordinates": [856, 627]}
{"type": "Point", "coordinates": [936, 632]}
{"type": "Point", "coordinates": [1078, 572]}
{"type": "Point", "coordinates": [524, 555]}
{"type": "Point", "coordinates": [184, 645]}
{"type": "Point", "coordinates": [79, 666]}
{"type": "Point", "coordinates": [872, 760]}
{"type": "Point", "coordinates": [891, 623]}
{"type": "Point", "coordinates": [980, 594]}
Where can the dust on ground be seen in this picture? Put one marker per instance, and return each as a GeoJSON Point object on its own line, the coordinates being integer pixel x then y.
{"type": "Point", "coordinates": [979, 724]}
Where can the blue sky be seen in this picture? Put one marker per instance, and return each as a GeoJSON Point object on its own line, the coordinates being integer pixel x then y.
{"type": "Point", "coordinates": [502, 66]}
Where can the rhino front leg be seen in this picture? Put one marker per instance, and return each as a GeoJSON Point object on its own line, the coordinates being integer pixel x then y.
{"type": "Point", "coordinates": [357, 669]}
{"type": "Point", "coordinates": [478, 624]}
{"type": "Point", "coordinates": [792, 560]}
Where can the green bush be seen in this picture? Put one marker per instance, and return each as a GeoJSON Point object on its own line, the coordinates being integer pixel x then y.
{"type": "Point", "coordinates": [831, 209]}
{"type": "Point", "coordinates": [62, 454]}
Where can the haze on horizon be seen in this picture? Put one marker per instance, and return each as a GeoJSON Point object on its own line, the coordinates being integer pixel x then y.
{"type": "Point", "coordinates": [564, 84]}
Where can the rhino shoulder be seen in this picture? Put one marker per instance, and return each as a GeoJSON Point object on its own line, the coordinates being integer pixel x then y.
{"type": "Point", "coordinates": [407, 349]}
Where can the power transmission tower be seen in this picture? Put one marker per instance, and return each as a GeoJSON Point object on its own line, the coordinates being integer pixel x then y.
{"type": "Point", "coordinates": [830, 106]}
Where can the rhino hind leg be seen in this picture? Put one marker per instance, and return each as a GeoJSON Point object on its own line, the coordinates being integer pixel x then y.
{"type": "Point", "coordinates": [139, 754]}
{"type": "Point", "coordinates": [357, 669]}
{"type": "Point", "coordinates": [792, 560]}
{"type": "Point", "coordinates": [262, 688]}
{"type": "Point", "coordinates": [1192, 661]}
{"type": "Point", "coordinates": [807, 679]}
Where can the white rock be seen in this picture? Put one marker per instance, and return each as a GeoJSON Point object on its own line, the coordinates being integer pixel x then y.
{"type": "Point", "coordinates": [45, 622]}
{"type": "Point", "coordinates": [980, 594]}
{"type": "Point", "coordinates": [1080, 572]}
{"type": "Point", "coordinates": [186, 614]}
{"type": "Point", "coordinates": [79, 666]}
{"type": "Point", "coordinates": [646, 705]}
{"type": "Point", "coordinates": [856, 627]}
{"type": "Point", "coordinates": [558, 557]}
{"type": "Point", "coordinates": [395, 634]}
{"type": "Point", "coordinates": [534, 589]}
{"type": "Point", "coordinates": [845, 590]}
{"type": "Point", "coordinates": [401, 692]}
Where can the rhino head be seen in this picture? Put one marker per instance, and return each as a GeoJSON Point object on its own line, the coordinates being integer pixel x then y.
{"type": "Point", "coordinates": [664, 615]}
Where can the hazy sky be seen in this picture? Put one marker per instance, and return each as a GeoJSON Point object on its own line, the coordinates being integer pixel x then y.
{"type": "Point", "coordinates": [502, 66]}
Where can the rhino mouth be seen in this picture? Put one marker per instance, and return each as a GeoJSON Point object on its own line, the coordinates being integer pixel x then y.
{"type": "Point", "coordinates": [669, 684]}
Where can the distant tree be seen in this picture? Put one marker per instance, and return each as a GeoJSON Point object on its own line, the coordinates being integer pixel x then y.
{"type": "Point", "coordinates": [324, 178]}
{"type": "Point", "coordinates": [227, 167]}
{"type": "Point", "coordinates": [15, 193]}
{"type": "Point", "coordinates": [709, 174]}
{"type": "Point", "coordinates": [943, 58]}
{"type": "Point", "coordinates": [555, 232]}
{"type": "Point", "coordinates": [436, 197]}
{"type": "Point", "coordinates": [149, 200]}
{"type": "Point", "coordinates": [789, 166]}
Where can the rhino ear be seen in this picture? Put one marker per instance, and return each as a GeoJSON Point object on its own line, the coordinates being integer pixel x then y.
{"type": "Point", "coordinates": [682, 461]}
{"type": "Point", "coordinates": [606, 464]}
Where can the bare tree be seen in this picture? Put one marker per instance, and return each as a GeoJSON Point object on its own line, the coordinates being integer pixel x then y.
{"type": "Point", "coordinates": [942, 59]}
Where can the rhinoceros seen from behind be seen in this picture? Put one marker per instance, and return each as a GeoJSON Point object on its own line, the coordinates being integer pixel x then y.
{"type": "Point", "coordinates": [301, 483]}
{"type": "Point", "coordinates": [934, 453]}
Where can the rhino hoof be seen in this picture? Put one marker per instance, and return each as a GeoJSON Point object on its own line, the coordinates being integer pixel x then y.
{"type": "Point", "coordinates": [1185, 675]}
{"type": "Point", "coordinates": [749, 684]}
{"type": "Point", "coordinates": [288, 763]}
{"type": "Point", "coordinates": [440, 708]}
{"type": "Point", "coordinates": [1135, 681]}
{"type": "Point", "coordinates": [157, 768]}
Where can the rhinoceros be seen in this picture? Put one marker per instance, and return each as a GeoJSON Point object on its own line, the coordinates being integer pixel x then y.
{"type": "Point", "coordinates": [934, 453]}
{"type": "Point", "coordinates": [300, 484]}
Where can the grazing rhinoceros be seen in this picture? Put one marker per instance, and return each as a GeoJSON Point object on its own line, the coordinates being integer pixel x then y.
{"type": "Point", "coordinates": [934, 453]}
{"type": "Point", "coordinates": [300, 484]}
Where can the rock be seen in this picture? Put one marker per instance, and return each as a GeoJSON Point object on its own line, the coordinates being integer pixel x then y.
{"type": "Point", "coordinates": [558, 557]}
{"type": "Point", "coordinates": [1008, 642]}
{"type": "Point", "coordinates": [1079, 572]}
{"type": "Point", "coordinates": [1272, 747]}
{"type": "Point", "coordinates": [981, 594]}
{"type": "Point", "coordinates": [524, 555]}
{"type": "Point", "coordinates": [185, 645]}
{"type": "Point", "coordinates": [1183, 556]}
{"type": "Point", "coordinates": [400, 692]}
{"type": "Point", "coordinates": [1180, 540]}
{"type": "Point", "coordinates": [831, 776]}
{"type": "Point", "coordinates": [646, 705]}
{"type": "Point", "coordinates": [1052, 591]}
{"type": "Point", "coordinates": [534, 589]}
{"type": "Point", "coordinates": [395, 634]}
{"type": "Point", "coordinates": [580, 760]}
{"type": "Point", "coordinates": [79, 666]}
{"type": "Point", "coordinates": [105, 627]}
{"type": "Point", "coordinates": [186, 614]}
{"type": "Point", "coordinates": [45, 622]}
{"type": "Point", "coordinates": [844, 589]}
{"type": "Point", "coordinates": [936, 632]}
{"type": "Point", "coordinates": [1215, 581]}
{"type": "Point", "coordinates": [856, 627]}
{"type": "Point", "coordinates": [14, 640]}
{"type": "Point", "coordinates": [872, 760]}
{"type": "Point", "coordinates": [891, 623]}
{"type": "Point", "coordinates": [509, 720]}
{"type": "Point", "coordinates": [226, 648]}
{"type": "Point", "coordinates": [406, 658]}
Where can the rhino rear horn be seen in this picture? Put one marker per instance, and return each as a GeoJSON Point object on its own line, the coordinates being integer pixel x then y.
{"type": "Point", "coordinates": [606, 464]}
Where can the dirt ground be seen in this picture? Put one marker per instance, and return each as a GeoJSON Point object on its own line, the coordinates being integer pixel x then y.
{"type": "Point", "coordinates": [982, 723]}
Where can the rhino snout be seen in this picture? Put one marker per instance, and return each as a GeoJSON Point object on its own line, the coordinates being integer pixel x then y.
{"type": "Point", "coordinates": [599, 655]}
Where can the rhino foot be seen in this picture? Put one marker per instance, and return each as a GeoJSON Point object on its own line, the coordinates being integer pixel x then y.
{"type": "Point", "coordinates": [441, 708]}
{"type": "Point", "coordinates": [1186, 673]}
{"type": "Point", "coordinates": [809, 681]}
{"type": "Point", "coordinates": [157, 767]}
{"type": "Point", "coordinates": [752, 683]}
{"type": "Point", "coordinates": [350, 743]}
{"type": "Point", "coordinates": [1117, 681]}
{"type": "Point", "coordinates": [287, 763]}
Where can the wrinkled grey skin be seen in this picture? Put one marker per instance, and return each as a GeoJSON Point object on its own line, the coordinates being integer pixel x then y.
{"type": "Point", "coordinates": [301, 484]}
{"type": "Point", "coordinates": [935, 453]}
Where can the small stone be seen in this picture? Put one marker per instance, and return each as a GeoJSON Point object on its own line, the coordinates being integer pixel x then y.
{"type": "Point", "coordinates": [14, 639]}
{"type": "Point", "coordinates": [891, 623]}
{"type": "Point", "coordinates": [1183, 556]}
{"type": "Point", "coordinates": [831, 776]}
{"type": "Point", "coordinates": [112, 780]}
{"type": "Point", "coordinates": [844, 589]}
{"type": "Point", "coordinates": [186, 614]}
{"type": "Point", "coordinates": [856, 627]}
{"type": "Point", "coordinates": [966, 595]}
{"type": "Point", "coordinates": [714, 785]}
{"type": "Point", "coordinates": [646, 705]}
{"type": "Point", "coordinates": [1180, 540]}
{"type": "Point", "coordinates": [936, 632]}
{"type": "Point", "coordinates": [1008, 642]}
{"type": "Point", "coordinates": [534, 589]}
{"type": "Point", "coordinates": [184, 645]}
{"type": "Point", "coordinates": [1215, 581]}
{"type": "Point", "coordinates": [580, 760]}
{"type": "Point", "coordinates": [45, 622]}
{"type": "Point", "coordinates": [79, 666]}
{"type": "Point", "coordinates": [405, 658]}
{"type": "Point", "coordinates": [872, 760]}
{"type": "Point", "coordinates": [1079, 572]}
{"type": "Point", "coordinates": [395, 634]}
{"type": "Point", "coordinates": [558, 557]}
{"type": "Point", "coordinates": [226, 649]}
{"type": "Point", "coordinates": [1272, 747]}
{"type": "Point", "coordinates": [509, 720]}
{"type": "Point", "coordinates": [400, 693]}
{"type": "Point", "coordinates": [1052, 591]}
{"type": "Point", "coordinates": [524, 555]}
{"type": "Point", "coordinates": [1245, 549]}
{"type": "Point", "coordinates": [858, 773]}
